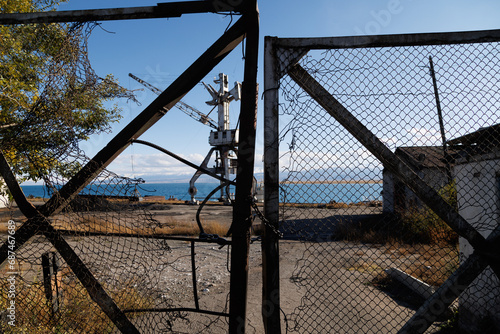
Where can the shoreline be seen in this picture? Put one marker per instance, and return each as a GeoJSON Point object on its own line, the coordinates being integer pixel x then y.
{"type": "Point", "coordinates": [334, 182]}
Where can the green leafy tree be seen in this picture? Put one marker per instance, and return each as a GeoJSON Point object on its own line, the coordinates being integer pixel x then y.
{"type": "Point", "coordinates": [50, 98]}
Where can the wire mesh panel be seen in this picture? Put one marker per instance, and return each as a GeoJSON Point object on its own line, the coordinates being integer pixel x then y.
{"type": "Point", "coordinates": [101, 261]}
{"type": "Point", "coordinates": [125, 248]}
{"type": "Point", "coordinates": [374, 251]}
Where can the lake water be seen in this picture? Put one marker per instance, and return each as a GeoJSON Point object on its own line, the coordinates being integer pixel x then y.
{"type": "Point", "coordinates": [331, 192]}
{"type": "Point", "coordinates": [291, 193]}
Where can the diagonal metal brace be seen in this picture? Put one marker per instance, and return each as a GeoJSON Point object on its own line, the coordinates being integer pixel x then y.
{"type": "Point", "coordinates": [24, 206]}
{"type": "Point", "coordinates": [29, 228]}
{"type": "Point", "coordinates": [392, 162]}
{"type": "Point", "coordinates": [149, 116]}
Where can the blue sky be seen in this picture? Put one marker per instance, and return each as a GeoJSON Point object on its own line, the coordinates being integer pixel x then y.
{"type": "Point", "coordinates": [158, 50]}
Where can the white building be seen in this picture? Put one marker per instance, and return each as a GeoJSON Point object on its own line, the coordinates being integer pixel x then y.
{"type": "Point", "coordinates": [477, 175]}
{"type": "Point", "coordinates": [474, 160]}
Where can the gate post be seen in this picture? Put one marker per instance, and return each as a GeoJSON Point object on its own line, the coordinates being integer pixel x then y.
{"type": "Point", "coordinates": [242, 211]}
{"type": "Point", "coordinates": [270, 240]}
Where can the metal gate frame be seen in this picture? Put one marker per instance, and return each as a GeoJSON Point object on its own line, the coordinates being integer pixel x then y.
{"type": "Point", "coordinates": [247, 27]}
{"type": "Point", "coordinates": [486, 250]}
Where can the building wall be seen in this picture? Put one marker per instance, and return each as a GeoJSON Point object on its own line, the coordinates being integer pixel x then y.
{"type": "Point", "coordinates": [387, 192]}
{"type": "Point", "coordinates": [397, 195]}
{"type": "Point", "coordinates": [478, 196]}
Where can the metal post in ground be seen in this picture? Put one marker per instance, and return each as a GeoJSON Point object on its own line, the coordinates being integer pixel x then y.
{"type": "Point", "coordinates": [270, 240]}
{"type": "Point", "coordinates": [242, 210]}
{"type": "Point", "coordinates": [50, 268]}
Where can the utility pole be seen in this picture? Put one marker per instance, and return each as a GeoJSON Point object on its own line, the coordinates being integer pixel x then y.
{"type": "Point", "coordinates": [440, 117]}
{"type": "Point", "coordinates": [438, 103]}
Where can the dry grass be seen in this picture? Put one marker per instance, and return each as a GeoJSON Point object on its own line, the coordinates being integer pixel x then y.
{"type": "Point", "coordinates": [415, 225]}
{"type": "Point", "coordinates": [78, 313]}
{"type": "Point", "coordinates": [367, 267]}
{"type": "Point", "coordinates": [411, 228]}
{"type": "Point", "coordinates": [431, 264]}
{"type": "Point", "coordinates": [427, 250]}
{"type": "Point", "coordinates": [191, 228]}
{"type": "Point", "coordinates": [434, 263]}
{"type": "Point", "coordinates": [91, 223]}
{"type": "Point", "coordinates": [424, 226]}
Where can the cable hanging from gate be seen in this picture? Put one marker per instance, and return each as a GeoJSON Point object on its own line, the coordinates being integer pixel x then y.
{"type": "Point", "coordinates": [225, 183]}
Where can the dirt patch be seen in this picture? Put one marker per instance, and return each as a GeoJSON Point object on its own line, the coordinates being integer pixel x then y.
{"type": "Point", "coordinates": [323, 282]}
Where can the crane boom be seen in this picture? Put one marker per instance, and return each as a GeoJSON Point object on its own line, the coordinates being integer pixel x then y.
{"type": "Point", "coordinates": [184, 107]}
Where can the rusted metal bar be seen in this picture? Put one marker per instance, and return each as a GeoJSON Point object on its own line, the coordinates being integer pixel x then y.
{"type": "Point", "coordinates": [270, 241]}
{"type": "Point", "coordinates": [156, 110]}
{"type": "Point", "coordinates": [23, 234]}
{"type": "Point", "coordinates": [32, 225]}
{"type": "Point", "coordinates": [390, 40]}
{"type": "Point", "coordinates": [29, 228]}
{"type": "Point", "coordinates": [242, 209]}
{"type": "Point", "coordinates": [219, 241]}
{"type": "Point", "coordinates": [193, 270]}
{"type": "Point", "coordinates": [51, 287]}
{"type": "Point", "coordinates": [426, 193]}
{"type": "Point", "coordinates": [24, 206]}
{"type": "Point", "coordinates": [26, 231]}
{"type": "Point", "coordinates": [161, 10]}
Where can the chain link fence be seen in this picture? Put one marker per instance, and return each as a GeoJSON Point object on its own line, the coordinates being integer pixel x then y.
{"type": "Point", "coordinates": [370, 129]}
{"type": "Point", "coordinates": [103, 262]}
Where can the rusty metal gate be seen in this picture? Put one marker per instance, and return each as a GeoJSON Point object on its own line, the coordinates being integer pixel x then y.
{"type": "Point", "coordinates": [79, 263]}
{"type": "Point", "coordinates": [382, 164]}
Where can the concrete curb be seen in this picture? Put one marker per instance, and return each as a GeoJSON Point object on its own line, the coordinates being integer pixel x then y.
{"type": "Point", "coordinates": [421, 288]}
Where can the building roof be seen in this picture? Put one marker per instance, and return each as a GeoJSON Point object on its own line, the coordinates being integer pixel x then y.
{"type": "Point", "coordinates": [425, 156]}
{"type": "Point", "coordinates": [484, 140]}
{"type": "Point", "coordinates": [488, 137]}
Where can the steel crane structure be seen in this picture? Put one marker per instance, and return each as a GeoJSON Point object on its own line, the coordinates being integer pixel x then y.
{"type": "Point", "coordinates": [187, 109]}
{"type": "Point", "coordinates": [224, 141]}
